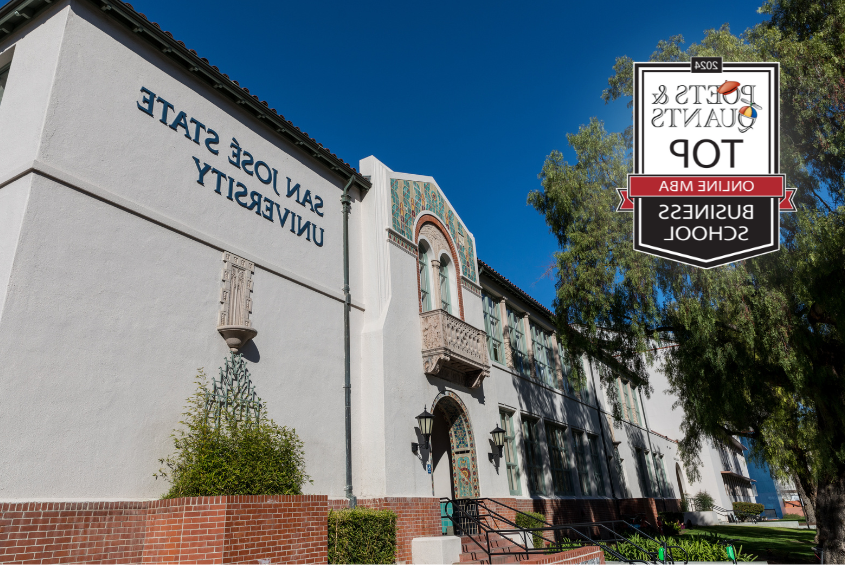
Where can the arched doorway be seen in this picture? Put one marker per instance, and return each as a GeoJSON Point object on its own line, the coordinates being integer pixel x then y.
{"type": "Point", "coordinates": [454, 462]}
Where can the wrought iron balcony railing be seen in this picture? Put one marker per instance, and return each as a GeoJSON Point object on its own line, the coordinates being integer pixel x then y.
{"type": "Point", "coordinates": [453, 350]}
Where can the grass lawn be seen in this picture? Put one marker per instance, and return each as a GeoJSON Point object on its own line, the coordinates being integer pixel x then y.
{"type": "Point", "coordinates": [776, 545]}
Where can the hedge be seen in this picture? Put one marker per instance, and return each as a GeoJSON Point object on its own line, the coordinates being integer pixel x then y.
{"type": "Point", "coordinates": [528, 520]}
{"type": "Point", "coordinates": [744, 510]}
{"type": "Point", "coordinates": [362, 535]}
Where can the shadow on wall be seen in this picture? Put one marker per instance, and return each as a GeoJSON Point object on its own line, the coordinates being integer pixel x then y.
{"type": "Point", "coordinates": [250, 352]}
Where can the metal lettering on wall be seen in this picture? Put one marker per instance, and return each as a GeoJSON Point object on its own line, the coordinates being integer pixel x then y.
{"type": "Point", "coordinates": [225, 182]}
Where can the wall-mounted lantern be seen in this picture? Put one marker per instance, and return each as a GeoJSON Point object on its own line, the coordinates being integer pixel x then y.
{"type": "Point", "coordinates": [424, 421]}
{"type": "Point", "coordinates": [498, 438]}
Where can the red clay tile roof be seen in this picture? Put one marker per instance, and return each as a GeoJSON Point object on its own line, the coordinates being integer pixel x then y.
{"type": "Point", "coordinates": [482, 266]}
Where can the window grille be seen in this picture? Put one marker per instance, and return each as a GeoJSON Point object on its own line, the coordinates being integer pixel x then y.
{"type": "Point", "coordinates": [598, 476]}
{"type": "Point", "coordinates": [543, 364]}
{"type": "Point", "coordinates": [565, 367]}
{"type": "Point", "coordinates": [620, 470]}
{"type": "Point", "coordinates": [533, 461]}
{"type": "Point", "coordinates": [629, 407]}
{"type": "Point", "coordinates": [665, 487]}
{"type": "Point", "coordinates": [425, 286]}
{"type": "Point", "coordinates": [559, 456]}
{"type": "Point", "coordinates": [445, 303]}
{"type": "Point", "coordinates": [518, 345]}
{"type": "Point", "coordinates": [493, 327]}
{"type": "Point", "coordinates": [581, 462]}
{"type": "Point", "coordinates": [510, 453]}
{"type": "Point", "coordinates": [635, 394]}
{"type": "Point", "coordinates": [644, 472]}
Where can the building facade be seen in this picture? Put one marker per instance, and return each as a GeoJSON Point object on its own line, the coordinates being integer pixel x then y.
{"type": "Point", "coordinates": [154, 214]}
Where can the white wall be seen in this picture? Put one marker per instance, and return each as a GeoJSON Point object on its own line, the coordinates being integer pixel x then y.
{"type": "Point", "coordinates": [110, 269]}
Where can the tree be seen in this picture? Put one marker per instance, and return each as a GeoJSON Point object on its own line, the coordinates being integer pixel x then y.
{"type": "Point", "coordinates": [759, 344]}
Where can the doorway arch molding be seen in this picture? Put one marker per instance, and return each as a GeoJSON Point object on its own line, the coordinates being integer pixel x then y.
{"type": "Point", "coordinates": [461, 443]}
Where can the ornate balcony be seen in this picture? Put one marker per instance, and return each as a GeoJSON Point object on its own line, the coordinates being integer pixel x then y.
{"type": "Point", "coordinates": [453, 350]}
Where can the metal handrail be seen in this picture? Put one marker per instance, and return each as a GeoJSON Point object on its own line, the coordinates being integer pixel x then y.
{"type": "Point", "coordinates": [609, 527]}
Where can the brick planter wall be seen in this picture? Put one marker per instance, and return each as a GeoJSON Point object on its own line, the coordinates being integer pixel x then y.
{"type": "Point", "coordinates": [231, 529]}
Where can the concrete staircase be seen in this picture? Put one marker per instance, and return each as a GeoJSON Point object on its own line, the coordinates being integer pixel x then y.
{"type": "Point", "coordinates": [473, 553]}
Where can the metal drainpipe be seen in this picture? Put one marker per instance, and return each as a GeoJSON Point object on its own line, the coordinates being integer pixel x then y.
{"type": "Point", "coordinates": [345, 201]}
{"type": "Point", "coordinates": [653, 462]}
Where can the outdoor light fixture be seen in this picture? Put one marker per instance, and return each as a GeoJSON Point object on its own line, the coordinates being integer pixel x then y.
{"type": "Point", "coordinates": [425, 421]}
{"type": "Point", "coordinates": [498, 438]}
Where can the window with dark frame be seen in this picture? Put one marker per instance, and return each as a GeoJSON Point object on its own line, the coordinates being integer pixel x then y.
{"type": "Point", "coordinates": [533, 459]}
{"type": "Point", "coordinates": [559, 457]}
{"type": "Point", "coordinates": [509, 450]}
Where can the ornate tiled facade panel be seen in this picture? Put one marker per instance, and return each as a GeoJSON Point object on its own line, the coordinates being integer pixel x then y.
{"type": "Point", "coordinates": [462, 443]}
{"type": "Point", "coordinates": [402, 244]}
{"type": "Point", "coordinates": [410, 198]}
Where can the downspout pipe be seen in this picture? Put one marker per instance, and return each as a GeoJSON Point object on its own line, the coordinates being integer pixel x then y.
{"type": "Point", "coordinates": [346, 202]}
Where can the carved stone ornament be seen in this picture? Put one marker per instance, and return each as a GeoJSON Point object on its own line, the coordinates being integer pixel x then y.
{"type": "Point", "coordinates": [453, 350]}
{"type": "Point", "coordinates": [435, 238]}
{"type": "Point", "coordinates": [236, 302]}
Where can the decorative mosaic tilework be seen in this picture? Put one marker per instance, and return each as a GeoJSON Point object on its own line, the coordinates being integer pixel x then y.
{"type": "Point", "coordinates": [409, 198]}
{"type": "Point", "coordinates": [463, 476]}
{"type": "Point", "coordinates": [402, 244]}
{"type": "Point", "coordinates": [462, 443]}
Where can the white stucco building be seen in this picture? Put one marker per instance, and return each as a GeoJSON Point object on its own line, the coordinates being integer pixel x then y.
{"type": "Point", "coordinates": [146, 201]}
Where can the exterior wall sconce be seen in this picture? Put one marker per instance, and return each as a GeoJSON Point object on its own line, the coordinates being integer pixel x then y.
{"type": "Point", "coordinates": [498, 438]}
{"type": "Point", "coordinates": [424, 421]}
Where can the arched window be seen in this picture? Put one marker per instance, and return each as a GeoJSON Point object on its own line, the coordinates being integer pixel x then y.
{"type": "Point", "coordinates": [425, 285]}
{"type": "Point", "coordinates": [445, 302]}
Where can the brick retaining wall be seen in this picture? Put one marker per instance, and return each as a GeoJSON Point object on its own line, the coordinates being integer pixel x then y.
{"type": "Point", "coordinates": [239, 529]}
{"type": "Point", "coordinates": [231, 529]}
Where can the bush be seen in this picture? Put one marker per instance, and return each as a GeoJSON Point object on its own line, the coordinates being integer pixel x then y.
{"type": "Point", "coordinates": [230, 447]}
{"type": "Point", "coordinates": [798, 517]}
{"type": "Point", "coordinates": [745, 510]}
{"type": "Point", "coordinates": [672, 527]}
{"type": "Point", "coordinates": [528, 520]}
{"type": "Point", "coordinates": [362, 535]}
{"type": "Point", "coordinates": [702, 502]}
{"type": "Point", "coordinates": [696, 550]}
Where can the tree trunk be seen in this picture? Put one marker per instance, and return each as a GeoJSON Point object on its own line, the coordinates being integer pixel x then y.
{"type": "Point", "coordinates": [830, 518]}
{"type": "Point", "coordinates": [808, 498]}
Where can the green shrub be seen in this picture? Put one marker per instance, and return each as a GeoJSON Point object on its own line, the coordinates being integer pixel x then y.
{"type": "Point", "coordinates": [744, 510]}
{"type": "Point", "coordinates": [672, 527]}
{"type": "Point", "coordinates": [565, 544]}
{"type": "Point", "coordinates": [798, 517]}
{"type": "Point", "coordinates": [232, 448]}
{"type": "Point", "coordinates": [362, 535]}
{"type": "Point", "coordinates": [528, 520]}
{"type": "Point", "coordinates": [696, 550]}
{"type": "Point", "coordinates": [702, 501]}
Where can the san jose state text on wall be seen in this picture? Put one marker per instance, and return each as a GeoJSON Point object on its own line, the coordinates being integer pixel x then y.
{"type": "Point", "coordinates": [225, 182]}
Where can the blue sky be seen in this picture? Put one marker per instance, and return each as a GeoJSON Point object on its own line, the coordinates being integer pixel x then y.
{"type": "Point", "coordinates": [475, 94]}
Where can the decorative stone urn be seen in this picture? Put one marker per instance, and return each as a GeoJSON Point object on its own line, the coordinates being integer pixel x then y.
{"type": "Point", "coordinates": [237, 336]}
